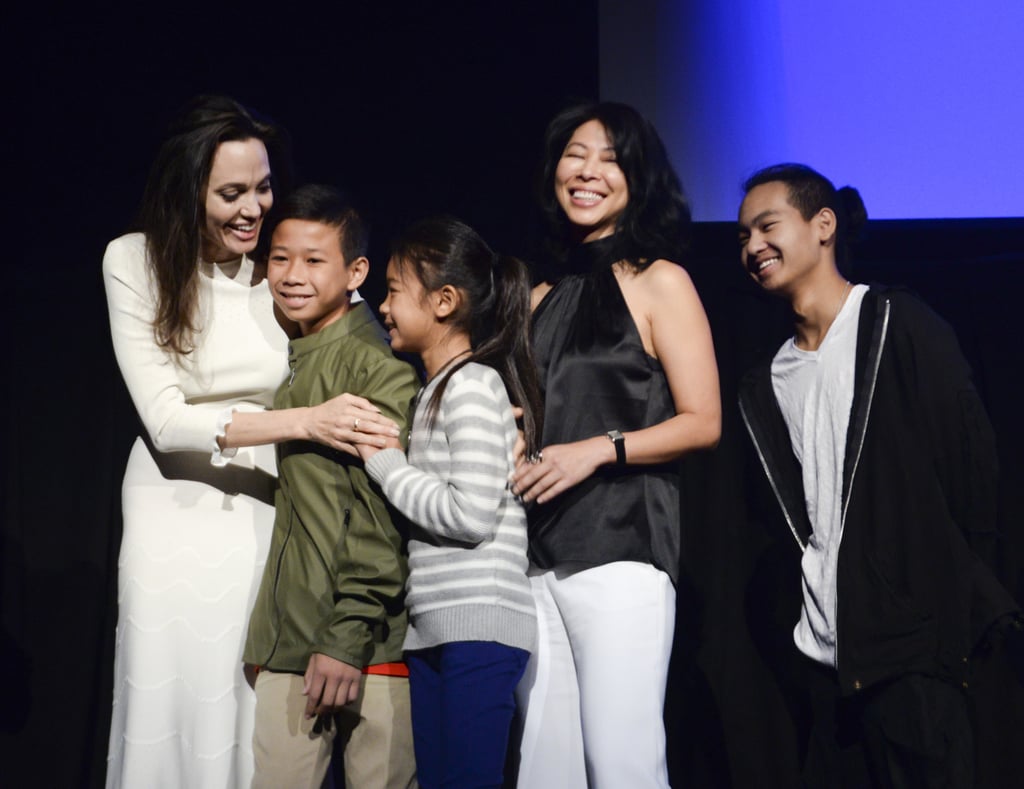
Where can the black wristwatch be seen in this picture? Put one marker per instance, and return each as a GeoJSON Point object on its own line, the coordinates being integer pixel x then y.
{"type": "Point", "coordinates": [620, 446]}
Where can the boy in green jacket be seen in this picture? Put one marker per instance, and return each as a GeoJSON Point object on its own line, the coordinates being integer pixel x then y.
{"type": "Point", "coordinates": [329, 619]}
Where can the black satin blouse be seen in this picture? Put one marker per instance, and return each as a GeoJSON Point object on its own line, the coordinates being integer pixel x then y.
{"type": "Point", "coordinates": [596, 376]}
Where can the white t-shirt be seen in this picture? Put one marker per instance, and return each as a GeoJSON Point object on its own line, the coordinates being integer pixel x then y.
{"type": "Point", "coordinates": [815, 393]}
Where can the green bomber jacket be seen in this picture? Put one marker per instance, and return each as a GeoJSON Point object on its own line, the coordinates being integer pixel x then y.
{"type": "Point", "coordinates": [334, 581]}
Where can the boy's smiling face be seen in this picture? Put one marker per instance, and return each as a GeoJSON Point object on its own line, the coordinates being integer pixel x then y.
{"type": "Point", "coordinates": [309, 277]}
{"type": "Point", "coordinates": [778, 247]}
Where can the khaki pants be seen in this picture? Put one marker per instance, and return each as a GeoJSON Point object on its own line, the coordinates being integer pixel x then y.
{"type": "Point", "coordinates": [293, 753]}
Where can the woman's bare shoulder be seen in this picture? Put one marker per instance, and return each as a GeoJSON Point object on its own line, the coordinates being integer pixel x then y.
{"type": "Point", "coordinates": [665, 280]}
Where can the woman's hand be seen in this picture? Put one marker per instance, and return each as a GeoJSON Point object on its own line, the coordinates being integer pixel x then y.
{"type": "Point", "coordinates": [560, 467]}
{"type": "Point", "coordinates": [343, 423]}
{"type": "Point", "coordinates": [348, 421]}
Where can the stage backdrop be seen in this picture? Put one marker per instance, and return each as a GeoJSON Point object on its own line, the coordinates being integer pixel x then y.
{"type": "Point", "coordinates": [917, 103]}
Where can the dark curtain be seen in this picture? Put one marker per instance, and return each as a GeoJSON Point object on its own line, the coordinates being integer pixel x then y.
{"type": "Point", "coordinates": [417, 110]}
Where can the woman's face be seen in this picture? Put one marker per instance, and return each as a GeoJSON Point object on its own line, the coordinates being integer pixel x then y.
{"type": "Point", "coordinates": [589, 185]}
{"type": "Point", "coordinates": [238, 196]}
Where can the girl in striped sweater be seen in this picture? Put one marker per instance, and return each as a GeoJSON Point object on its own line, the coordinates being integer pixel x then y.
{"type": "Point", "coordinates": [466, 312]}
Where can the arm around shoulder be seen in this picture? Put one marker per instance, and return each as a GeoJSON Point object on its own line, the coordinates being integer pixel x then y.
{"type": "Point", "coordinates": [341, 422]}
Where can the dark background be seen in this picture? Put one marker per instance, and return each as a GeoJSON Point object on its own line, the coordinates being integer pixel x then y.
{"type": "Point", "coordinates": [416, 108]}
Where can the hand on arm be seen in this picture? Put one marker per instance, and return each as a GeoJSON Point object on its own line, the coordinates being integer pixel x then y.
{"type": "Point", "coordinates": [151, 375]}
{"type": "Point", "coordinates": [329, 685]}
{"type": "Point", "coordinates": [343, 422]}
{"type": "Point", "coordinates": [392, 385]}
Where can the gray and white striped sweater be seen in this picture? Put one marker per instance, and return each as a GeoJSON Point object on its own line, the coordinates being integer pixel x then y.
{"type": "Point", "coordinates": [467, 559]}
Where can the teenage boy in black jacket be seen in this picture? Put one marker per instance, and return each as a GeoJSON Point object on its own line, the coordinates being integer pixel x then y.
{"type": "Point", "coordinates": [883, 466]}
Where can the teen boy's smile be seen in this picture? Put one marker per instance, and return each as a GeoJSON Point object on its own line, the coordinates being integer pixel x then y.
{"type": "Point", "coordinates": [779, 248]}
{"type": "Point", "coordinates": [309, 277]}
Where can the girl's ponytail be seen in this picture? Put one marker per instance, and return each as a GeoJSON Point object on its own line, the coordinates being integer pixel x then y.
{"type": "Point", "coordinates": [495, 314]}
{"type": "Point", "coordinates": [508, 348]}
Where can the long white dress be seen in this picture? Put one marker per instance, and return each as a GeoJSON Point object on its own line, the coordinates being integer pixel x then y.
{"type": "Point", "coordinates": [197, 526]}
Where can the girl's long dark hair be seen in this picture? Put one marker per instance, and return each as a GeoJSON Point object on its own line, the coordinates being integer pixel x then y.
{"type": "Point", "coordinates": [656, 221]}
{"type": "Point", "coordinates": [173, 208]}
{"type": "Point", "coordinates": [495, 311]}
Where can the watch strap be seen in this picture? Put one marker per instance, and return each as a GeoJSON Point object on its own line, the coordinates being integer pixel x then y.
{"type": "Point", "coordinates": [620, 446]}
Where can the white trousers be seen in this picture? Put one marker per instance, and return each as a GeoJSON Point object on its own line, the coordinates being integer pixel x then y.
{"type": "Point", "coordinates": [593, 695]}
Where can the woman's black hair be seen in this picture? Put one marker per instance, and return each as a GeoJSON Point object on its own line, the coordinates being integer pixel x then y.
{"type": "Point", "coordinates": [808, 191]}
{"type": "Point", "coordinates": [494, 313]}
{"type": "Point", "coordinates": [173, 208]}
{"type": "Point", "coordinates": [656, 221]}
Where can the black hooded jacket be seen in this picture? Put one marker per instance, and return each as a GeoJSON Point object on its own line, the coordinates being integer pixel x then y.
{"type": "Point", "coordinates": [915, 591]}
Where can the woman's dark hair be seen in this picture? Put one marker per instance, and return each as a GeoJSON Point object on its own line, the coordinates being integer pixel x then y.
{"type": "Point", "coordinates": [173, 208]}
{"type": "Point", "coordinates": [808, 191]}
{"type": "Point", "coordinates": [656, 221]}
{"type": "Point", "coordinates": [495, 309]}
{"type": "Point", "coordinates": [328, 206]}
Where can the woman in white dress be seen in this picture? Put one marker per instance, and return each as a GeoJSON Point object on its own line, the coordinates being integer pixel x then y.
{"type": "Point", "coordinates": [196, 338]}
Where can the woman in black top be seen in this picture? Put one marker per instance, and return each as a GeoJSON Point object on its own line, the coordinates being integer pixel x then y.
{"type": "Point", "coordinates": [630, 383]}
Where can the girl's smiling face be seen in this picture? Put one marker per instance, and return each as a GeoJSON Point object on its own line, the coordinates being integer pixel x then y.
{"type": "Point", "coordinates": [406, 310]}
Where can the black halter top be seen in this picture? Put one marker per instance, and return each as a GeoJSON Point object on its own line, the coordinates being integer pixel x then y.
{"type": "Point", "coordinates": [596, 376]}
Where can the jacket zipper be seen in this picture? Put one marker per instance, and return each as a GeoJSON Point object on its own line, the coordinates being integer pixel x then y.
{"type": "Point", "coordinates": [871, 397]}
{"type": "Point", "coordinates": [860, 447]}
{"type": "Point", "coordinates": [771, 479]}
{"type": "Point", "coordinates": [277, 586]}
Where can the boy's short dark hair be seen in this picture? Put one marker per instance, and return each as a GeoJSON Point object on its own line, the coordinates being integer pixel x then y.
{"type": "Point", "coordinates": [329, 206]}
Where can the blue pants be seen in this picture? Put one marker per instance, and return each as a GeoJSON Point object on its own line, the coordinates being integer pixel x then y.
{"type": "Point", "coordinates": [462, 704]}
